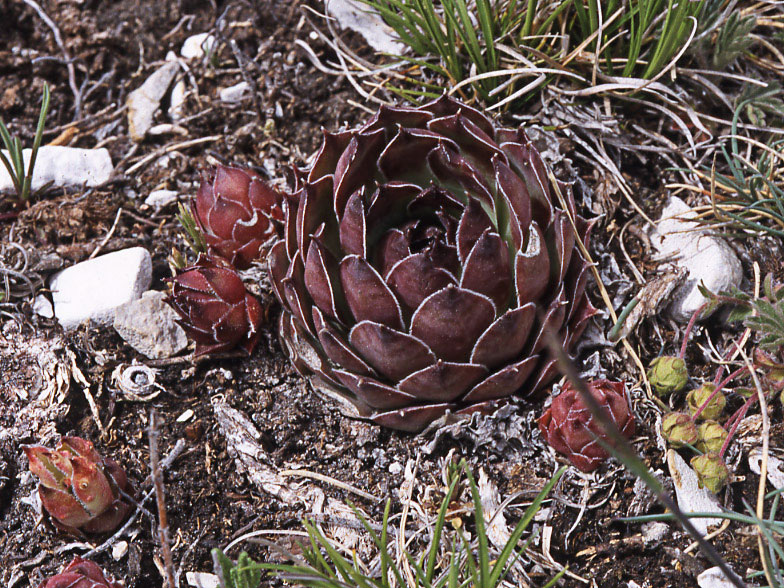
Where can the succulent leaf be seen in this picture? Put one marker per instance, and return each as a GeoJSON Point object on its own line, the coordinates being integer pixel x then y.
{"type": "Point", "coordinates": [423, 258]}
{"type": "Point", "coordinates": [569, 427]}
{"type": "Point", "coordinates": [214, 307]}
{"type": "Point", "coordinates": [238, 213]}
{"type": "Point", "coordinates": [80, 573]}
{"type": "Point", "coordinates": [86, 494]}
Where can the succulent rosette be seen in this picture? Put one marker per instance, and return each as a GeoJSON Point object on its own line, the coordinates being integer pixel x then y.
{"type": "Point", "coordinates": [80, 573]}
{"type": "Point", "coordinates": [214, 307]}
{"type": "Point", "coordinates": [424, 256]}
{"type": "Point", "coordinates": [238, 213]}
{"type": "Point", "coordinates": [569, 427]}
{"type": "Point", "coordinates": [79, 488]}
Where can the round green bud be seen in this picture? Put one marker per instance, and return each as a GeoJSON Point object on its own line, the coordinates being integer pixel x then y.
{"type": "Point", "coordinates": [710, 437]}
{"type": "Point", "coordinates": [712, 472]}
{"type": "Point", "coordinates": [679, 429]}
{"type": "Point", "coordinates": [698, 397]}
{"type": "Point", "coordinates": [668, 375]}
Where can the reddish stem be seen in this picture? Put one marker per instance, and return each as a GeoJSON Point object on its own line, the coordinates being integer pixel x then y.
{"type": "Point", "coordinates": [718, 389]}
{"type": "Point", "coordinates": [736, 419]}
{"type": "Point", "coordinates": [689, 329]}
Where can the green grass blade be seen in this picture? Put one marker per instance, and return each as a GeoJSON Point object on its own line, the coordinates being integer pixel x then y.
{"type": "Point", "coordinates": [439, 528]}
{"type": "Point", "coordinates": [39, 133]}
{"type": "Point", "coordinates": [481, 532]}
{"type": "Point", "coordinates": [517, 532]}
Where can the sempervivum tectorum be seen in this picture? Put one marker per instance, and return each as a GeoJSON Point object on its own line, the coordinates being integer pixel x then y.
{"type": "Point", "coordinates": [238, 213]}
{"type": "Point", "coordinates": [570, 428]}
{"type": "Point", "coordinates": [80, 573]}
{"type": "Point", "coordinates": [79, 488]}
{"type": "Point", "coordinates": [214, 307]}
{"type": "Point", "coordinates": [424, 255]}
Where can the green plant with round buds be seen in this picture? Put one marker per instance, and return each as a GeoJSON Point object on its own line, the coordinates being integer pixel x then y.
{"type": "Point", "coordinates": [710, 437]}
{"type": "Point", "coordinates": [668, 375]}
{"type": "Point", "coordinates": [699, 396]}
{"type": "Point", "coordinates": [679, 429]}
{"type": "Point", "coordinates": [712, 472]}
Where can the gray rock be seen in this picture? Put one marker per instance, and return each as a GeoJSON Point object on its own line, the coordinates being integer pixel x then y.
{"type": "Point", "coordinates": [160, 198]}
{"type": "Point", "coordinates": [148, 326]}
{"type": "Point", "coordinates": [144, 101]}
{"type": "Point", "coordinates": [714, 578]}
{"type": "Point", "coordinates": [93, 289]}
{"type": "Point", "coordinates": [692, 498]}
{"type": "Point", "coordinates": [359, 17]}
{"type": "Point", "coordinates": [235, 93]}
{"type": "Point", "coordinates": [708, 259]}
{"type": "Point", "coordinates": [654, 532]}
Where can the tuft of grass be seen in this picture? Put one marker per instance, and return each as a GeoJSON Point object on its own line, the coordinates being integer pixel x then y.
{"type": "Point", "coordinates": [751, 187]}
{"type": "Point", "coordinates": [21, 175]}
{"type": "Point", "coordinates": [498, 45]}
{"type": "Point", "coordinates": [465, 563]}
{"type": "Point", "coordinates": [192, 235]}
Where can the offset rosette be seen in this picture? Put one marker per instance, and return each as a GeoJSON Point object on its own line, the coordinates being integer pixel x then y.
{"type": "Point", "coordinates": [79, 488]}
{"type": "Point", "coordinates": [238, 213]}
{"type": "Point", "coordinates": [569, 427]}
{"type": "Point", "coordinates": [80, 573]}
{"type": "Point", "coordinates": [424, 255]}
{"type": "Point", "coordinates": [214, 307]}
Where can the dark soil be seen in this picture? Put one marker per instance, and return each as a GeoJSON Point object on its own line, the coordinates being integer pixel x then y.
{"type": "Point", "coordinates": [209, 501]}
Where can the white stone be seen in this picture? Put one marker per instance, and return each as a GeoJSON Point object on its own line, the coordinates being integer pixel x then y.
{"type": "Point", "coordinates": [708, 259]}
{"type": "Point", "coordinates": [42, 306]}
{"type": "Point", "coordinates": [177, 101]}
{"type": "Point", "coordinates": [63, 167]}
{"type": "Point", "coordinates": [692, 498]}
{"type": "Point", "coordinates": [93, 289]}
{"type": "Point", "coordinates": [144, 101]}
{"type": "Point", "coordinates": [654, 532]}
{"type": "Point", "coordinates": [119, 550]}
{"type": "Point", "coordinates": [359, 17]}
{"type": "Point", "coordinates": [202, 580]}
{"type": "Point", "coordinates": [235, 93]}
{"type": "Point", "coordinates": [185, 417]}
{"type": "Point", "coordinates": [197, 46]}
{"type": "Point", "coordinates": [147, 325]}
{"type": "Point", "coordinates": [775, 467]}
{"type": "Point", "coordinates": [160, 198]}
{"type": "Point", "coordinates": [714, 578]}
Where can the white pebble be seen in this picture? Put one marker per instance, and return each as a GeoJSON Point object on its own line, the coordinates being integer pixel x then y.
{"type": "Point", "coordinates": [160, 198]}
{"type": "Point", "coordinates": [63, 167]}
{"type": "Point", "coordinates": [708, 259]}
{"type": "Point", "coordinates": [119, 550]}
{"type": "Point", "coordinates": [197, 46]}
{"type": "Point", "coordinates": [235, 93]}
{"type": "Point", "coordinates": [692, 498]}
{"type": "Point", "coordinates": [185, 417]}
{"type": "Point", "coordinates": [93, 289]}
{"type": "Point", "coordinates": [202, 580]}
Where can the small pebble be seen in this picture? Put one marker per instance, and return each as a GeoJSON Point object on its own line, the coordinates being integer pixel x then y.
{"type": "Point", "coordinates": [119, 550]}
{"type": "Point", "coordinates": [202, 580]}
{"type": "Point", "coordinates": [186, 416]}
{"type": "Point", "coordinates": [197, 46]}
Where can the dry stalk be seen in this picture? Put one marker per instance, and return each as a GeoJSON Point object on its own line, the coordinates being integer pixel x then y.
{"type": "Point", "coordinates": [160, 497]}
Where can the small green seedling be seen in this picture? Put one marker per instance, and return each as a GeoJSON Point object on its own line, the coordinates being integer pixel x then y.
{"type": "Point", "coordinates": [193, 235]}
{"type": "Point", "coordinates": [21, 176]}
